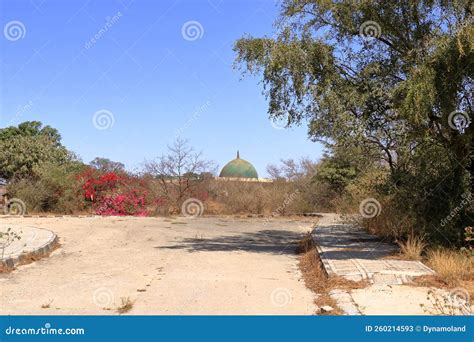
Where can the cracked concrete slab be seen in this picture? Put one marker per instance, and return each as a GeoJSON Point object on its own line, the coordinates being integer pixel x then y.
{"type": "Point", "coordinates": [347, 251]}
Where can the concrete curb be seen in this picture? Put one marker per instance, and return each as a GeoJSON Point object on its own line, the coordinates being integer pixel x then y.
{"type": "Point", "coordinates": [49, 216]}
{"type": "Point", "coordinates": [289, 216]}
{"type": "Point", "coordinates": [37, 252]}
{"type": "Point", "coordinates": [343, 298]}
{"type": "Point", "coordinates": [345, 302]}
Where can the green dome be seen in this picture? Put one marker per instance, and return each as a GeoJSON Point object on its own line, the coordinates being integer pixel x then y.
{"type": "Point", "coordinates": [239, 168]}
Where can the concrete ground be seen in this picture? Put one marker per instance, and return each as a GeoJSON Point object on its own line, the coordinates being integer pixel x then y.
{"type": "Point", "coordinates": [165, 266]}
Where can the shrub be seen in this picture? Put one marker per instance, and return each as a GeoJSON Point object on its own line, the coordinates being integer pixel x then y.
{"type": "Point", "coordinates": [121, 205]}
{"type": "Point", "coordinates": [115, 194]}
{"type": "Point", "coordinates": [277, 199]}
{"type": "Point", "coordinates": [450, 266]}
{"type": "Point", "coordinates": [412, 247]}
{"type": "Point", "coordinates": [239, 197]}
{"type": "Point", "coordinates": [54, 189]}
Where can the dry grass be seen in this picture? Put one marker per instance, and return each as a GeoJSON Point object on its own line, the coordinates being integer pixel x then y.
{"type": "Point", "coordinates": [125, 306]}
{"type": "Point", "coordinates": [451, 267]}
{"type": "Point", "coordinates": [46, 305]}
{"type": "Point", "coordinates": [241, 198]}
{"type": "Point", "coordinates": [445, 306]}
{"type": "Point", "coordinates": [413, 247]}
{"type": "Point", "coordinates": [317, 280]}
{"type": "Point", "coordinates": [5, 269]}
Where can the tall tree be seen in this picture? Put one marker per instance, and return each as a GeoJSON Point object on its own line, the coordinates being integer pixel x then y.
{"type": "Point", "coordinates": [374, 72]}
{"type": "Point", "coordinates": [27, 146]}
{"type": "Point", "coordinates": [31, 129]}
{"type": "Point", "coordinates": [394, 76]}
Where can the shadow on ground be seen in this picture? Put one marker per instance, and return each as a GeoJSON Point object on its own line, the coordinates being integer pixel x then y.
{"type": "Point", "coordinates": [265, 241]}
{"type": "Point", "coordinates": [343, 241]}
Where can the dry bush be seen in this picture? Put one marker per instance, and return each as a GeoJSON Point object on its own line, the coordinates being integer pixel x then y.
{"type": "Point", "coordinates": [126, 305]}
{"type": "Point", "coordinates": [169, 203]}
{"type": "Point", "coordinates": [47, 305]}
{"type": "Point", "coordinates": [234, 197]}
{"type": "Point", "coordinates": [55, 188]}
{"type": "Point", "coordinates": [413, 247]}
{"type": "Point", "coordinates": [451, 267]}
{"type": "Point", "coordinates": [240, 197]}
{"type": "Point", "coordinates": [278, 198]}
{"type": "Point", "coordinates": [445, 305]}
{"type": "Point", "coordinates": [5, 269]}
{"type": "Point", "coordinates": [389, 223]}
{"type": "Point", "coordinates": [228, 197]}
{"type": "Point", "coordinates": [392, 219]}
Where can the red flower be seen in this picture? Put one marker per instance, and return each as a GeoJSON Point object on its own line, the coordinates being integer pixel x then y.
{"type": "Point", "coordinates": [113, 194]}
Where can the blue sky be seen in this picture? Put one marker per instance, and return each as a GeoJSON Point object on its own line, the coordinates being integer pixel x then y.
{"type": "Point", "coordinates": [135, 64]}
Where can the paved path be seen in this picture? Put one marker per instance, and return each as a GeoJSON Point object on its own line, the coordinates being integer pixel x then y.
{"type": "Point", "coordinates": [166, 266]}
{"type": "Point", "coordinates": [348, 251]}
{"type": "Point", "coordinates": [20, 240]}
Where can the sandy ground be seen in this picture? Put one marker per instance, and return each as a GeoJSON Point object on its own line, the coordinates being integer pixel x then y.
{"type": "Point", "coordinates": [165, 266]}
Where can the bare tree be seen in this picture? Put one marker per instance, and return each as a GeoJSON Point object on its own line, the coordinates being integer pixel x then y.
{"type": "Point", "coordinates": [292, 170]}
{"type": "Point", "coordinates": [180, 170]}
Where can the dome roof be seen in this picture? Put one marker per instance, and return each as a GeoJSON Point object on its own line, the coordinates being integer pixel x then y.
{"type": "Point", "coordinates": [239, 168]}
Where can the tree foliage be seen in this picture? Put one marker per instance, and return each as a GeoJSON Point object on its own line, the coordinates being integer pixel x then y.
{"type": "Point", "coordinates": [107, 165]}
{"type": "Point", "coordinates": [27, 146]}
{"type": "Point", "coordinates": [400, 90]}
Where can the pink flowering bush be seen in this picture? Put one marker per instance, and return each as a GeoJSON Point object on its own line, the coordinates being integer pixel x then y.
{"type": "Point", "coordinates": [113, 194]}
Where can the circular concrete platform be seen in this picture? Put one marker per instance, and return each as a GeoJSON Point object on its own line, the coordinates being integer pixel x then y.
{"type": "Point", "coordinates": [32, 241]}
